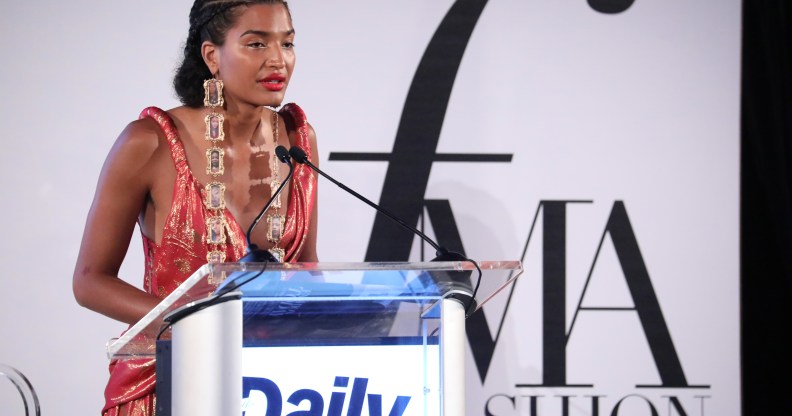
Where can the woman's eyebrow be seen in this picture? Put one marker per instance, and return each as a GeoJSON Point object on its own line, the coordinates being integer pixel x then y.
{"type": "Point", "coordinates": [265, 34]}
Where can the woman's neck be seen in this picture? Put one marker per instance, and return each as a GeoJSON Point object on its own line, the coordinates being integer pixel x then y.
{"type": "Point", "coordinates": [242, 121]}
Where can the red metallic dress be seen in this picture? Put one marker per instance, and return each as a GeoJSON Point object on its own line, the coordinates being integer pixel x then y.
{"type": "Point", "coordinates": [130, 390]}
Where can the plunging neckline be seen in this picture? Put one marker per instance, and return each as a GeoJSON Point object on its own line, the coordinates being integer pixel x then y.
{"type": "Point", "coordinates": [200, 189]}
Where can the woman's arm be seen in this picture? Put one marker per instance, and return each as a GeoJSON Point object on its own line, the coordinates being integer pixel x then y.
{"type": "Point", "coordinates": [121, 194]}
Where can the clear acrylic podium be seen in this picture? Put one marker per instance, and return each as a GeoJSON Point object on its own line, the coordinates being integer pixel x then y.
{"type": "Point", "coordinates": [316, 338]}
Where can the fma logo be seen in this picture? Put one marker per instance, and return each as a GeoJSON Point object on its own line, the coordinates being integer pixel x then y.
{"type": "Point", "coordinates": [663, 388]}
{"type": "Point", "coordinates": [262, 396]}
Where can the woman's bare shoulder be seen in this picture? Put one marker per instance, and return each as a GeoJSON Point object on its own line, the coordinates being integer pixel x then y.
{"type": "Point", "coordinates": [141, 149]}
{"type": "Point", "coordinates": [145, 137]}
{"type": "Point", "coordinates": [139, 140]}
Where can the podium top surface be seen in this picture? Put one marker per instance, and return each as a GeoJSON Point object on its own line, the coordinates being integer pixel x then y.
{"type": "Point", "coordinates": [386, 284]}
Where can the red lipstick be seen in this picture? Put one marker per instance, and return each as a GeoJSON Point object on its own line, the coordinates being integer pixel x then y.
{"type": "Point", "coordinates": [274, 82]}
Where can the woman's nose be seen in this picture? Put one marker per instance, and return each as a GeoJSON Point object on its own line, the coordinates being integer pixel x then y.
{"type": "Point", "coordinates": [275, 58]}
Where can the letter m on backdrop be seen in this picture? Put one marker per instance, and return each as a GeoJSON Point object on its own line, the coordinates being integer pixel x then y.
{"type": "Point", "coordinates": [555, 335]}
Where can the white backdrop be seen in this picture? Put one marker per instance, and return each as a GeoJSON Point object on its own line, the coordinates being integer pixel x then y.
{"type": "Point", "coordinates": [640, 107]}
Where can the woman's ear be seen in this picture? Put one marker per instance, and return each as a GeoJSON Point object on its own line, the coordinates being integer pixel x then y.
{"type": "Point", "coordinates": [211, 56]}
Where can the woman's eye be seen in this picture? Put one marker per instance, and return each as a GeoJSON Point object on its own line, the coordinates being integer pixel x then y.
{"type": "Point", "coordinates": [256, 45]}
{"type": "Point", "coordinates": [288, 45]}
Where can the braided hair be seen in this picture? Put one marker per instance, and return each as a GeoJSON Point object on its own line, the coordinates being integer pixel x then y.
{"type": "Point", "coordinates": [209, 20]}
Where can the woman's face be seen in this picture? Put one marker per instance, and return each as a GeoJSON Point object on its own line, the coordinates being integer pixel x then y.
{"type": "Point", "coordinates": [257, 59]}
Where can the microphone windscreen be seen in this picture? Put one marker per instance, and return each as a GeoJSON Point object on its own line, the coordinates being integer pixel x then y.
{"type": "Point", "coordinates": [282, 154]}
{"type": "Point", "coordinates": [298, 154]}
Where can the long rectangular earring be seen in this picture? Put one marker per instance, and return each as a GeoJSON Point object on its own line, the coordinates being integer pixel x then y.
{"type": "Point", "coordinates": [214, 191]}
{"type": "Point", "coordinates": [276, 222]}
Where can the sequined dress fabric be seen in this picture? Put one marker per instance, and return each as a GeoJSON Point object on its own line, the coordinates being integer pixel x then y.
{"type": "Point", "coordinates": [130, 390]}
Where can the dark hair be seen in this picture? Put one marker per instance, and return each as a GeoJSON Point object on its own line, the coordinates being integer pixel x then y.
{"type": "Point", "coordinates": [209, 20]}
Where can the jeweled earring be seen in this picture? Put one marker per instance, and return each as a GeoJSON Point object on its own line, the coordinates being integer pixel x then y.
{"type": "Point", "coordinates": [275, 220]}
{"type": "Point", "coordinates": [214, 192]}
{"type": "Point", "coordinates": [213, 93]}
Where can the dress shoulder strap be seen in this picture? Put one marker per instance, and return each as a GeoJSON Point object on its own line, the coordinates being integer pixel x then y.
{"type": "Point", "coordinates": [171, 134]}
{"type": "Point", "coordinates": [298, 121]}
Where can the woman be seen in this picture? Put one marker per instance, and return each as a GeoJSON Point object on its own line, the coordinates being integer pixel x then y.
{"type": "Point", "coordinates": [238, 60]}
